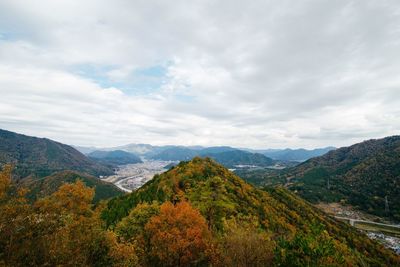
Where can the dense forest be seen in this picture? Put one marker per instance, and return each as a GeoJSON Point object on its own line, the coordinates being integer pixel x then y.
{"type": "Point", "coordinates": [41, 157]}
{"type": "Point", "coordinates": [365, 175]}
{"type": "Point", "coordinates": [43, 165]}
{"type": "Point", "coordinates": [46, 186]}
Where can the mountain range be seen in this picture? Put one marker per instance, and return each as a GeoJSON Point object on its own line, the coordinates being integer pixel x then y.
{"type": "Point", "coordinates": [228, 156]}
{"type": "Point", "coordinates": [171, 152]}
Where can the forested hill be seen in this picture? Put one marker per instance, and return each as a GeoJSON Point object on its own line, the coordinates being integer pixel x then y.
{"type": "Point", "coordinates": [366, 175]}
{"type": "Point", "coordinates": [278, 227]}
{"type": "Point", "coordinates": [43, 187]}
{"type": "Point", "coordinates": [42, 156]}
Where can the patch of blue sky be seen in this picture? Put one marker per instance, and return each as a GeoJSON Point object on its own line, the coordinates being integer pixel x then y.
{"type": "Point", "coordinates": [97, 74]}
{"type": "Point", "coordinates": [8, 36]}
{"type": "Point", "coordinates": [153, 71]}
{"type": "Point", "coordinates": [140, 82]}
{"type": "Point", "coordinates": [185, 98]}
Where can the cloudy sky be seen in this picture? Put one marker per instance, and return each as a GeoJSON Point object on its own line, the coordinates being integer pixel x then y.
{"type": "Point", "coordinates": [260, 74]}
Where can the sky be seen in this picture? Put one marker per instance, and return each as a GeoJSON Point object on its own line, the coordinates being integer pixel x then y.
{"type": "Point", "coordinates": [256, 74]}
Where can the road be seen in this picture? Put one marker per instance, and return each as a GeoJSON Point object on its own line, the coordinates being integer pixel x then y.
{"type": "Point", "coordinates": [355, 221]}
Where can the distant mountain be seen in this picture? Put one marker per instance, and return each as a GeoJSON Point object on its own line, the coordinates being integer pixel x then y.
{"type": "Point", "coordinates": [39, 188]}
{"type": "Point", "coordinates": [117, 157]}
{"type": "Point", "coordinates": [227, 156]}
{"type": "Point", "coordinates": [85, 149]}
{"type": "Point", "coordinates": [172, 152]}
{"type": "Point", "coordinates": [137, 149]}
{"type": "Point", "coordinates": [42, 156]}
{"type": "Point", "coordinates": [366, 175]}
{"type": "Point", "coordinates": [298, 233]}
{"type": "Point", "coordinates": [176, 153]}
{"type": "Point", "coordinates": [216, 149]}
{"type": "Point", "coordinates": [296, 154]}
{"type": "Point", "coordinates": [234, 158]}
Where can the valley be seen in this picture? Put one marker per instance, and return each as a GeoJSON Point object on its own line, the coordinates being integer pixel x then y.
{"type": "Point", "coordinates": [132, 176]}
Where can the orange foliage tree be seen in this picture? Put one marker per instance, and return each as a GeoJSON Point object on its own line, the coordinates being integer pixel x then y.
{"type": "Point", "coordinates": [178, 236]}
{"type": "Point", "coordinates": [59, 230]}
{"type": "Point", "coordinates": [245, 244]}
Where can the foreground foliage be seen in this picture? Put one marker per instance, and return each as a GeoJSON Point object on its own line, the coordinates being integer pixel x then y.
{"type": "Point", "coordinates": [295, 233]}
{"type": "Point", "coordinates": [39, 188]}
{"type": "Point", "coordinates": [59, 230]}
{"type": "Point", "coordinates": [196, 214]}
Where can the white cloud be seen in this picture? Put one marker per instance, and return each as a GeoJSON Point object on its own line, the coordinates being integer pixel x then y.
{"type": "Point", "coordinates": [260, 74]}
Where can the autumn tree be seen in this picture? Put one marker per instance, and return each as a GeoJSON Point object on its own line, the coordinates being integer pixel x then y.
{"type": "Point", "coordinates": [60, 230]}
{"type": "Point", "coordinates": [79, 237]}
{"type": "Point", "coordinates": [132, 226]}
{"type": "Point", "coordinates": [5, 182]}
{"type": "Point", "coordinates": [244, 244]}
{"type": "Point", "coordinates": [15, 218]}
{"type": "Point", "coordinates": [131, 229]}
{"type": "Point", "coordinates": [178, 236]}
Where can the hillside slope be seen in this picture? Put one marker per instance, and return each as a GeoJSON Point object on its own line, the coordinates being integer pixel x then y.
{"type": "Point", "coordinates": [366, 175]}
{"type": "Point", "coordinates": [42, 157]}
{"type": "Point", "coordinates": [302, 234]}
{"type": "Point", "coordinates": [39, 188]}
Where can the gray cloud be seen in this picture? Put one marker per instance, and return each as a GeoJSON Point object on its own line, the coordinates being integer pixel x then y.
{"type": "Point", "coordinates": [260, 74]}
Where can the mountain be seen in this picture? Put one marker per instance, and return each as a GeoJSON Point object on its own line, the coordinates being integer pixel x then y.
{"type": "Point", "coordinates": [85, 149]}
{"type": "Point", "coordinates": [227, 156]}
{"type": "Point", "coordinates": [175, 153]}
{"type": "Point", "coordinates": [216, 149]}
{"type": "Point", "coordinates": [296, 154]}
{"type": "Point", "coordinates": [117, 157]}
{"type": "Point", "coordinates": [43, 187]}
{"type": "Point", "coordinates": [238, 215]}
{"type": "Point", "coordinates": [365, 175]}
{"type": "Point", "coordinates": [42, 156]}
{"type": "Point", "coordinates": [137, 149]}
{"type": "Point", "coordinates": [234, 158]}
